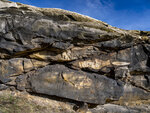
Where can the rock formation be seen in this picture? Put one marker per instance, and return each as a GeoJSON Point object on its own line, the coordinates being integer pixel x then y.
{"type": "Point", "coordinates": [57, 61]}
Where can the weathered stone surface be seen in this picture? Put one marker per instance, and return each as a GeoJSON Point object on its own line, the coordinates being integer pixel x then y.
{"type": "Point", "coordinates": [3, 87]}
{"type": "Point", "coordinates": [103, 63]}
{"type": "Point", "coordinates": [111, 108]}
{"type": "Point", "coordinates": [141, 81]}
{"type": "Point", "coordinates": [132, 93]}
{"type": "Point", "coordinates": [10, 68]}
{"type": "Point", "coordinates": [68, 55]}
{"type": "Point", "coordinates": [91, 88]}
{"type": "Point", "coordinates": [55, 52]}
{"type": "Point", "coordinates": [17, 66]}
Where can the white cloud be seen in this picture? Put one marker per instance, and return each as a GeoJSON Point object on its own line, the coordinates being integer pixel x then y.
{"type": "Point", "coordinates": [105, 11]}
{"type": "Point", "coordinates": [96, 9]}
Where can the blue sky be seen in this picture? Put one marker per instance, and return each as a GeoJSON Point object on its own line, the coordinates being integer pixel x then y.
{"type": "Point", "coordinates": [125, 14]}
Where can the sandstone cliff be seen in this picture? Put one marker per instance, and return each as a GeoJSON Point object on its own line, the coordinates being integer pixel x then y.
{"type": "Point", "coordinates": [57, 61]}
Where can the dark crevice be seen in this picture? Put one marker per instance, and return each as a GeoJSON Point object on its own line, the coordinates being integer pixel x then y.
{"type": "Point", "coordinates": [18, 40]}
{"type": "Point", "coordinates": [110, 74]}
{"type": "Point", "coordinates": [109, 101]}
{"type": "Point", "coordinates": [9, 85]}
{"type": "Point", "coordinates": [24, 8]}
{"type": "Point", "coordinates": [133, 84]}
{"type": "Point", "coordinates": [71, 17]}
{"type": "Point", "coordinates": [78, 41]}
{"type": "Point", "coordinates": [148, 81]}
{"type": "Point", "coordinates": [23, 66]}
{"type": "Point", "coordinates": [62, 63]}
{"type": "Point", "coordinates": [144, 33]}
{"type": "Point", "coordinates": [2, 50]}
{"type": "Point", "coordinates": [43, 47]}
{"type": "Point", "coordinates": [77, 104]}
{"type": "Point", "coordinates": [114, 49]}
{"type": "Point", "coordinates": [148, 55]}
{"type": "Point", "coordinates": [1, 82]}
{"type": "Point", "coordinates": [65, 63]}
{"type": "Point", "coordinates": [146, 50]}
{"type": "Point", "coordinates": [148, 62]}
{"type": "Point", "coordinates": [140, 87]}
{"type": "Point", "coordinates": [27, 52]}
{"type": "Point", "coordinates": [136, 72]}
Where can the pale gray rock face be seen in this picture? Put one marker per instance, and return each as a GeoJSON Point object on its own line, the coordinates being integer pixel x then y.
{"type": "Point", "coordinates": [5, 3]}
{"type": "Point", "coordinates": [54, 52]}
{"type": "Point", "coordinates": [91, 88]}
{"type": "Point", "coordinates": [111, 108]}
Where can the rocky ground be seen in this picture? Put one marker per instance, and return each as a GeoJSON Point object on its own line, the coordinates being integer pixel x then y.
{"type": "Point", "coordinates": [57, 61]}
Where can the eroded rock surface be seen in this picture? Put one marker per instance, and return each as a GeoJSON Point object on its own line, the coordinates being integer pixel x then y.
{"type": "Point", "coordinates": [53, 52]}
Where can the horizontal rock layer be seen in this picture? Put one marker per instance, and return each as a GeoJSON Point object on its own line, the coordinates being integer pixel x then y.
{"type": "Point", "coordinates": [53, 52]}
